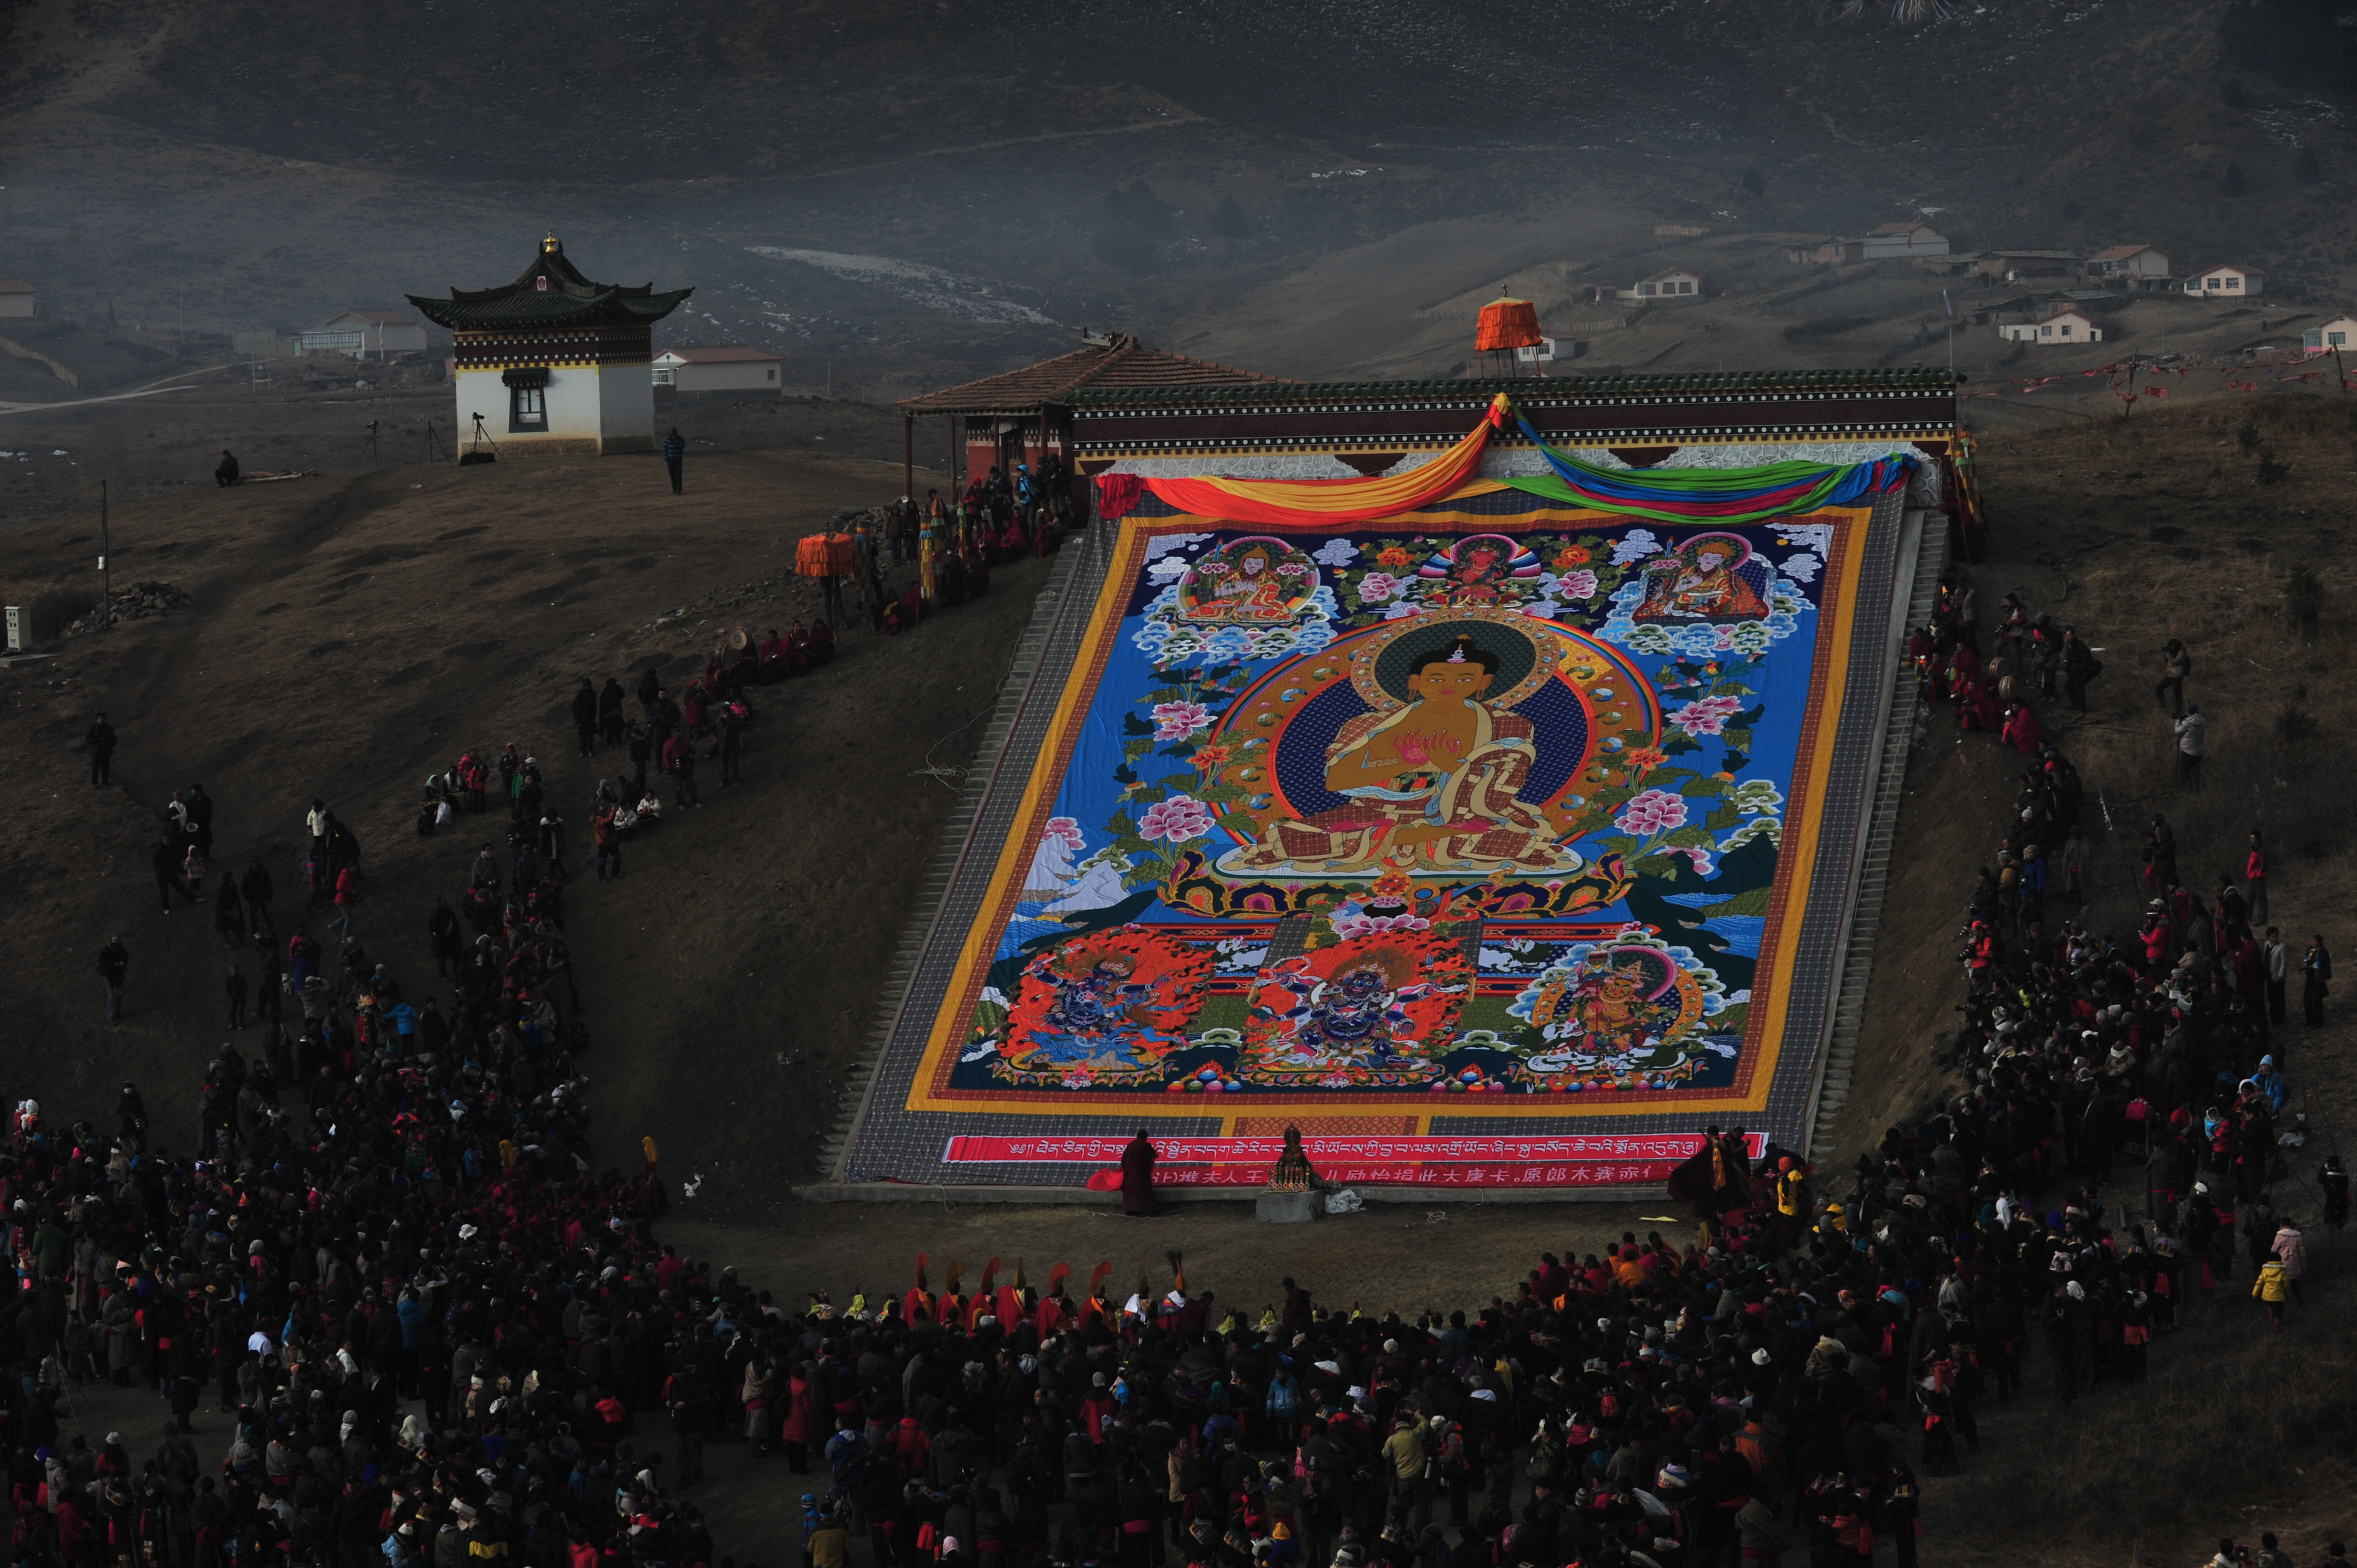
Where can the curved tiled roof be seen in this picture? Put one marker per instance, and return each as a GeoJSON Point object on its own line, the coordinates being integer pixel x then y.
{"type": "Point", "coordinates": [1122, 364]}
{"type": "Point", "coordinates": [569, 297]}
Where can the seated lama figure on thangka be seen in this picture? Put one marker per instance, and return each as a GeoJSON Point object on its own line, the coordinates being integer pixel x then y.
{"type": "Point", "coordinates": [1711, 577]}
{"type": "Point", "coordinates": [1250, 581]}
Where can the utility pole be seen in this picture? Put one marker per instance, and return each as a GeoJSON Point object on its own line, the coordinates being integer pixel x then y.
{"type": "Point", "coordinates": [105, 572]}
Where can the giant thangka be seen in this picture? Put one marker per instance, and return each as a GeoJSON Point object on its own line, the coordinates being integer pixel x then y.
{"type": "Point", "coordinates": [1479, 826]}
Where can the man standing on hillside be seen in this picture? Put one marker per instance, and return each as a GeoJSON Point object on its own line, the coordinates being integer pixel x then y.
{"type": "Point", "coordinates": [2189, 740]}
{"type": "Point", "coordinates": [663, 719]}
{"type": "Point", "coordinates": [674, 451]}
{"type": "Point", "coordinates": [166, 858]}
{"type": "Point", "coordinates": [2079, 667]}
{"type": "Point", "coordinates": [2276, 953]}
{"type": "Point", "coordinates": [609, 712]}
{"type": "Point", "coordinates": [100, 740]}
{"type": "Point", "coordinates": [113, 969]}
{"type": "Point", "coordinates": [585, 716]}
{"type": "Point", "coordinates": [2176, 664]}
{"type": "Point", "coordinates": [2254, 878]}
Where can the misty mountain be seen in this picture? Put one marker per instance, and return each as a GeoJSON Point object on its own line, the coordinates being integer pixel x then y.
{"type": "Point", "coordinates": [901, 193]}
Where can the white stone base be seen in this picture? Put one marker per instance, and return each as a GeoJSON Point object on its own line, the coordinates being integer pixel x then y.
{"type": "Point", "coordinates": [1289, 1207]}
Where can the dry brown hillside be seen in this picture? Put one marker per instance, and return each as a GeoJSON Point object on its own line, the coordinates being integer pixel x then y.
{"type": "Point", "coordinates": [348, 634]}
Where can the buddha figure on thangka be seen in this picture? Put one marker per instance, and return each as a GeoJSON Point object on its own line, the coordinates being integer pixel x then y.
{"type": "Point", "coordinates": [1435, 783]}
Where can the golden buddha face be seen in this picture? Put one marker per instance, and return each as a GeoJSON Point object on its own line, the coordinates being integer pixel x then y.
{"type": "Point", "coordinates": [1441, 681]}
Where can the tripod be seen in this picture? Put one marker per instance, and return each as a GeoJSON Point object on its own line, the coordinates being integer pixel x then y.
{"type": "Point", "coordinates": [475, 453]}
{"type": "Point", "coordinates": [433, 452]}
{"type": "Point", "coordinates": [374, 458]}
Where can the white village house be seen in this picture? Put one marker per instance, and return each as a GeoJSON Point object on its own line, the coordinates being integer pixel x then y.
{"type": "Point", "coordinates": [730, 368]}
{"type": "Point", "coordinates": [2337, 335]}
{"type": "Point", "coordinates": [1675, 284]}
{"type": "Point", "coordinates": [2226, 282]}
{"type": "Point", "coordinates": [363, 333]}
{"type": "Point", "coordinates": [2128, 261]}
{"type": "Point", "coordinates": [2062, 327]}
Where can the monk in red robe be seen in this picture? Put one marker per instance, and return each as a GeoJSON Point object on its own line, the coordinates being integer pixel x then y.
{"type": "Point", "coordinates": [1137, 1176]}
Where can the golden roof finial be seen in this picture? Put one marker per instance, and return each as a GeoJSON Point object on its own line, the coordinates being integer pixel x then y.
{"type": "Point", "coordinates": [552, 245]}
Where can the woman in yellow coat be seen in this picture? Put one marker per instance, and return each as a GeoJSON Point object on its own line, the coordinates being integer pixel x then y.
{"type": "Point", "coordinates": [2273, 1288]}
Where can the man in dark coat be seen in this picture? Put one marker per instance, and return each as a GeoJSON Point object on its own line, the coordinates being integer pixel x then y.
{"type": "Point", "coordinates": [674, 451]}
{"type": "Point", "coordinates": [609, 712]}
{"type": "Point", "coordinates": [113, 969]}
{"type": "Point", "coordinates": [585, 716]}
{"type": "Point", "coordinates": [1137, 1176]}
{"type": "Point", "coordinates": [226, 474]}
{"type": "Point", "coordinates": [168, 857]}
{"type": "Point", "coordinates": [100, 740]}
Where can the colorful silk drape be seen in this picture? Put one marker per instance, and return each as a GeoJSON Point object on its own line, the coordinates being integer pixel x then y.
{"type": "Point", "coordinates": [1706, 495]}
{"type": "Point", "coordinates": [1726, 496]}
{"type": "Point", "coordinates": [1335, 501]}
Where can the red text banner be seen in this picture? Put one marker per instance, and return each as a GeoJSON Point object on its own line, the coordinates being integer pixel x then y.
{"type": "Point", "coordinates": [1597, 1174]}
{"type": "Point", "coordinates": [1407, 1160]}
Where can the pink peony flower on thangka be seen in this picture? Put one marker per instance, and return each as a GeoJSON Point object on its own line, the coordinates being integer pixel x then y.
{"type": "Point", "coordinates": [1178, 818]}
{"type": "Point", "coordinates": [1652, 812]}
{"type": "Point", "coordinates": [1176, 720]}
{"type": "Point", "coordinates": [1577, 585]}
{"type": "Point", "coordinates": [1706, 715]}
{"type": "Point", "coordinates": [1350, 924]}
{"type": "Point", "coordinates": [1378, 587]}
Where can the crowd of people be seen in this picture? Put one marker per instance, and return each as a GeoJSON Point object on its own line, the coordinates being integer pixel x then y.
{"type": "Point", "coordinates": [953, 544]}
{"type": "Point", "coordinates": [421, 1329]}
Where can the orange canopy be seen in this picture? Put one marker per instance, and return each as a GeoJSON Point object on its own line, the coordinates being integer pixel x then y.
{"type": "Point", "coordinates": [824, 556]}
{"type": "Point", "coordinates": [1507, 324]}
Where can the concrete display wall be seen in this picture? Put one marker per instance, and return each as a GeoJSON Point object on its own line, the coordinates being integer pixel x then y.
{"type": "Point", "coordinates": [626, 405]}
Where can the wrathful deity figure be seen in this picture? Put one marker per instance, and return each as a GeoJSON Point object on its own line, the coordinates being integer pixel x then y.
{"type": "Point", "coordinates": [1353, 1019]}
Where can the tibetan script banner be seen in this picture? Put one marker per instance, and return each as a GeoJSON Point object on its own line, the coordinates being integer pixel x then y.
{"type": "Point", "coordinates": [1341, 1150]}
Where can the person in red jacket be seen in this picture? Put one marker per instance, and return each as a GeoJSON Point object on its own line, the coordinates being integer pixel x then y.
{"type": "Point", "coordinates": [799, 1421]}
{"type": "Point", "coordinates": [348, 894]}
{"type": "Point", "coordinates": [909, 1447]}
